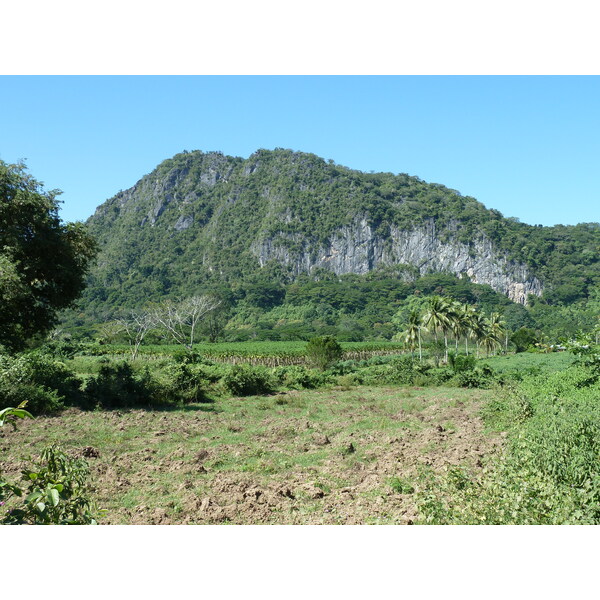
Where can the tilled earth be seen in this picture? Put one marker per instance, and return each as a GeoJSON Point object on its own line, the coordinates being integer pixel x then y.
{"type": "Point", "coordinates": [325, 457]}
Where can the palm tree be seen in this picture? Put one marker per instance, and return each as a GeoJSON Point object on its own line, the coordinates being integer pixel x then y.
{"type": "Point", "coordinates": [461, 323]}
{"type": "Point", "coordinates": [496, 329]}
{"type": "Point", "coordinates": [478, 328]}
{"type": "Point", "coordinates": [448, 326]}
{"type": "Point", "coordinates": [437, 318]}
{"type": "Point", "coordinates": [412, 334]}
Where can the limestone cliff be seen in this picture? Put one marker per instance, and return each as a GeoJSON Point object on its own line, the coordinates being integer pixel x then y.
{"type": "Point", "coordinates": [357, 249]}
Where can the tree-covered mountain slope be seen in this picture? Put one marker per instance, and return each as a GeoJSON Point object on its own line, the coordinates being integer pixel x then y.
{"type": "Point", "coordinates": [205, 220]}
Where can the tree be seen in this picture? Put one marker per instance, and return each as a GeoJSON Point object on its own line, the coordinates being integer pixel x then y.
{"type": "Point", "coordinates": [323, 351]}
{"type": "Point", "coordinates": [43, 262]}
{"type": "Point", "coordinates": [136, 325]}
{"type": "Point", "coordinates": [412, 334]}
{"type": "Point", "coordinates": [215, 322]}
{"type": "Point", "coordinates": [498, 330]}
{"type": "Point", "coordinates": [464, 315]}
{"type": "Point", "coordinates": [523, 339]}
{"type": "Point", "coordinates": [437, 317]}
{"type": "Point", "coordinates": [478, 329]}
{"type": "Point", "coordinates": [181, 319]}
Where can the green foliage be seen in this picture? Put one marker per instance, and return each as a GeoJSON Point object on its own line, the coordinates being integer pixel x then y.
{"type": "Point", "coordinates": [47, 385]}
{"type": "Point", "coordinates": [242, 380]}
{"type": "Point", "coordinates": [523, 339]}
{"type": "Point", "coordinates": [299, 377]}
{"type": "Point", "coordinates": [549, 473]}
{"type": "Point", "coordinates": [479, 377]}
{"type": "Point", "coordinates": [43, 263]}
{"type": "Point", "coordinates": [178, 383]}
{"type": "Point", "coordinates": [461, 362]}
{"type": "Point", "coordinates": [321, 352]}
{"type": "Point", "coordinates": [291, 204]}
{"type": "Point", "coordinates": [10, 414]}
{"type": "Point", "coordinates": [401, 485]}
{"type": "Point", "coordinates": [117, 386]}
{"type": "Point", "coordinates": [54, 492]}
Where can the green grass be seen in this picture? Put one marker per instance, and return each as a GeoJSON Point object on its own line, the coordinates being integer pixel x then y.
{"type": "Point", "coordinates": [148, 466]}
{"type": "Point", "coordinates": [550, 473]}
{"type": "Point", "coordinates": [530, 362]}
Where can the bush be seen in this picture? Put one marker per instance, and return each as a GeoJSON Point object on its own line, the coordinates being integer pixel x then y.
{"type": "Point", "coordinates": [321, 352]}
{"type": "Point", "coordinates": [186, 356]}
{"type": "Point", "coordinates": [116, 386]}
{"type": "Point", "coordinates": [479, 377]}
{"type": "Point", "coordinates": [298, 377]}
{"type": "Point", "coordinates": [461, 362]}
{"type": "Point", "coordinates": [55, 493]}
{"type": "Point", "coordinates": [61, 349]}
{"type": "Point", "coordinates": [243, 380]}
{"type": "Point", "coordinates": [178, 383]}
{"type": "Point", "coordinates": [550, 472]}
{"type": "Point", "coordinates": [46, 384]}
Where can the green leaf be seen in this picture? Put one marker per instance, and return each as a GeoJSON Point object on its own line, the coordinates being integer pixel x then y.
{"type": "Point", "coordinates": [41, 507]}
{"type": "Point", "coordinates": [33, 497]}
{"type": "Point", "coordinates": [19, 412]}
{"type": "Point", "coordinates": [54, 497]}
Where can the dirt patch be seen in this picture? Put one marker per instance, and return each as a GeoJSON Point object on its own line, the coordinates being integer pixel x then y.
{"type": "Point", "coordinates": [331, 459]}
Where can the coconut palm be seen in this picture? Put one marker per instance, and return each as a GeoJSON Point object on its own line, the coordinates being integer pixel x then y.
{"type": "Point", "coordinates": [461, 323]}
{"type": "Point", "coordinates": [478, 329]}
{"type": "Point", "coordinates": [412, 334]}
{"type": "Point", "coordinates": [497, 328]}
{"type": "Point", "coordinates": [437, 318]}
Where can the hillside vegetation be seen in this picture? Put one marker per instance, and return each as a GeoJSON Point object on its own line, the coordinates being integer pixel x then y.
{"type": "Point", "coordinates": [296, 246]}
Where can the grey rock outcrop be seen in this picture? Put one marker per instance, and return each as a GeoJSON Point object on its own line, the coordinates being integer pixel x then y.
{"type": "Point", "coordinates": [357, 249]}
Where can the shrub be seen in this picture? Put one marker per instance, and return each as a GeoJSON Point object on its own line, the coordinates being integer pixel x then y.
{"type": "Point", "coordinates": [46, 384]}
{"type": "Point", "coordinates": [187, 357]}
{"type": "Point", "coordinates": [243, 380]}
{"type": "Point", "coordinates": [178, 383]}
{"type": "Point", "coordinates": [55, 492]}
{"type": "Point", "coordinates": [479, 377]}
{"type": "Point", "coordinates": [298, 377]}
{"type": "Point", "coordinates": [61, 349]}
{"type": "Point", "coordinates": [461, 362]}
{"type": "Point", "coordinates": [549, 473]}
{"type": "Point", "coordinates": [323, 351]}
{"type": "Point", "coordinates": [116, 386]}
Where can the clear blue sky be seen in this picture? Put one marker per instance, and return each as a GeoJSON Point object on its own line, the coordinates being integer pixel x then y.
{"type": "Point", "coordinates": [527, 146]}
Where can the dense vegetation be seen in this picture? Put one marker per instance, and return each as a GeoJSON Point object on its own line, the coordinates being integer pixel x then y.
{"type": "Point", "coordinates": [43, 262]}
{"type": "Point", "coordinates": [192, 227]}
{"type": "Point", "coordinates": [550, 473]}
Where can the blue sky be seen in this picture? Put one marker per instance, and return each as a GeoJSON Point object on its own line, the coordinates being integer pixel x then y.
{"type": "Point", "coordinates": [527, 146]}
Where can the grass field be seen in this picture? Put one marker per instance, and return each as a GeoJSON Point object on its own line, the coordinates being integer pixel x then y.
{"type": "Point", "coordinates": [522, 448]}
{"type": "Point", "coordinates": [529, 362]}
{"type": "Point", "coordinates": [329, 456]}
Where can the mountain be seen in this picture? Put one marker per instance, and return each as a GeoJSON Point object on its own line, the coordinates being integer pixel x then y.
{"type": "Point", "coordinates": [201, 220]}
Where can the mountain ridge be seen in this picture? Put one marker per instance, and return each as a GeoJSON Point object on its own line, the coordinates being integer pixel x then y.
{"type": "Point", "coordinates": [202, 219]}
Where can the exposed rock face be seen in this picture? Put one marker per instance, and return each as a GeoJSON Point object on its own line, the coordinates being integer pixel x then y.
{"type": "Point", "coordinates": [357, 249]}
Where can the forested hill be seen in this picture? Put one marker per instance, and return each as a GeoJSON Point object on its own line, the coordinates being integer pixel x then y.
{"type": "Point", "coordinates": [205, 220]}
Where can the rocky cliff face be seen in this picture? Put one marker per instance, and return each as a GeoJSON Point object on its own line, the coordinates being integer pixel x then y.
{"type": "Point", "coordinates": [357, 249]}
